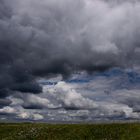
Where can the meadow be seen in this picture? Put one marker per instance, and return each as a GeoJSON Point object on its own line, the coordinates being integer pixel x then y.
{"type": "Point", "coordinates": [42, 131]}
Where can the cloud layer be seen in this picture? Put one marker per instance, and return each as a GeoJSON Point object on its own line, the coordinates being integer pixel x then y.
{"type": "Point", "coordinates": [40, 39]}
{"type": "Point", "coordinates": [111, 95]}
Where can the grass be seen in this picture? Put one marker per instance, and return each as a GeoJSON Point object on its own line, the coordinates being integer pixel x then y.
{"type": "Point", "coordinates": [40, 131]}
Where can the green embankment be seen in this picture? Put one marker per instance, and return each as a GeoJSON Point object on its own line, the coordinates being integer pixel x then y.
{"type": "Point", "coordinates": [118, 131]}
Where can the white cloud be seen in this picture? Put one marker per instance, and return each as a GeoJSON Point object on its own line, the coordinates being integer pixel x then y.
{"type": "Point", "coordinates": [32, 99]}
{"type": "Point", "coordinates": [24, 115]}
{"type": "Point", "coordinates": [30, 116]}
{"type": "Point", "coordinates": [37, 117]}
{"type": "Point", "coordinates": [8, 110]}
{"type": "Point", "coordinates": [66, 94]}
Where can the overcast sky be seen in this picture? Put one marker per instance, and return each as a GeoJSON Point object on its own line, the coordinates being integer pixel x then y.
{"type": "Point", "coordinates": [72, 60]}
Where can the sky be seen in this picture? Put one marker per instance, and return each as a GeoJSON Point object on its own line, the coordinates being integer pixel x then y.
{"type": "Point", "coordinates": [69, 61]}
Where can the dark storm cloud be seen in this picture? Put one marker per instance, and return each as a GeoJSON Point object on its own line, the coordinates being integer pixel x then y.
{"type": "Point", "coordinates": [39, 38]}
{"type": "Point", "coordinates": [4, 102]}
{"type": "Point", "coordinates": [27, 87]}
{"type": "Point", "coordinates": [33, 107]}
{"type": "Point", "coordinates": [4, 93]}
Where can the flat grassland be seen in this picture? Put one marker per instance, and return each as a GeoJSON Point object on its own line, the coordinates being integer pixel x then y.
{"type": "Point", "coordinates": [40, 131]}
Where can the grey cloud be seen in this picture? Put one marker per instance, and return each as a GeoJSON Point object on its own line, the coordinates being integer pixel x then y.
{"type": "Point", "coordinates": [82, 101]}
{"type": "Point", "coordinates": [4, 102]}
{"type": "Point", "coordinates": [39, 38]}
{"type": "Point", "coordinates": [45, 38]}
{"type": "Point", "coordinates": [129, 97]}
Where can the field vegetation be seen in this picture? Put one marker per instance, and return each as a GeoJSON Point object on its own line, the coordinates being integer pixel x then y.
{"type": "Point", "coordinates": [40, 131]}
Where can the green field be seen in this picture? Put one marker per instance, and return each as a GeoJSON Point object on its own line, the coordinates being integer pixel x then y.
{"type": "Point", "coordinates": [38, 131]}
